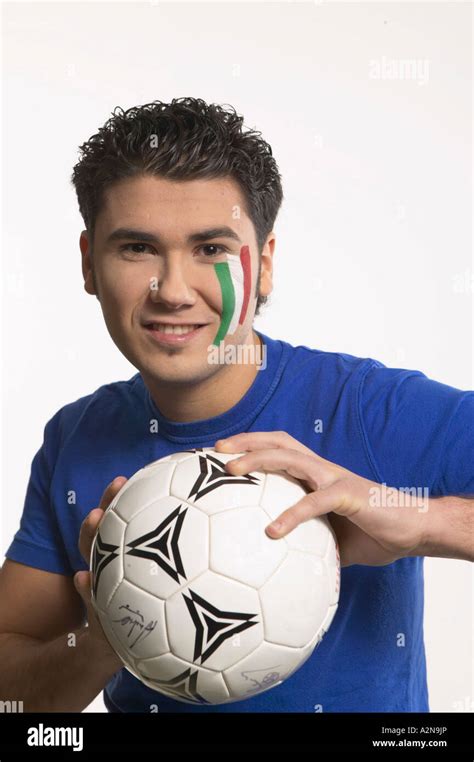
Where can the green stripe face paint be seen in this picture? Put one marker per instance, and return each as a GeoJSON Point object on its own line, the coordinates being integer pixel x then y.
{"type": "Point", "coordinates": [234, 279]}
{"type": "Point", "coordinates": [228, 299]}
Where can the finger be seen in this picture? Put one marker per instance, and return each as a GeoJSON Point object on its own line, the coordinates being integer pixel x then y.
{"type": "Point", "coordinates": [93, 518]}
{"type": "Point", "coordinates": [313, 471]}
{"type": "Point", "coordinates": [311, 506]}
{"type": "Point", "coordinates": [82, 583]}
{"type": "Point", "coordinates": [261, 440]}
{"type": "Point", "coordinates": [109, 494]}
{"type": "Point", "coordinates": [88, 530]}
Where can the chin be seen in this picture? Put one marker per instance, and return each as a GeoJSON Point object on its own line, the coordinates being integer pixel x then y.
{"type": "Point", "coordinates": [176, 376]}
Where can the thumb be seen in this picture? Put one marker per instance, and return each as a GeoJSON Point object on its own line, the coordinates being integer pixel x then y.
{"type": "Point", "coordinates": [82, 583]}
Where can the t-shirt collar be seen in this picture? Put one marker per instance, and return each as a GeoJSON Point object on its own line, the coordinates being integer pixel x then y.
{"type": "Point", "coordinates": [239, 417]}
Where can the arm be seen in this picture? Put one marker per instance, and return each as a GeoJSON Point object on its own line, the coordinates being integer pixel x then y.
{"type": "Point", "coordinates": [51, 676]}
{"type": "Point", "coordinates": [38, 663]}
{"type": "Point", "coordinates": [374, 525]}
{"type": "Point", "coordinates": [449, 529]}
{"type": "Point", "coordinates": [49, 659]}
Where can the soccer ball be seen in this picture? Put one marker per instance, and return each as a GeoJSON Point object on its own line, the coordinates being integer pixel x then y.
{"type": "Point", "coordinates": [198, 602]}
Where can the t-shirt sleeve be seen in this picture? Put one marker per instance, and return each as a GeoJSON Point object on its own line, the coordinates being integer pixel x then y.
{"type": "Point", "coordinates": [418, 432]}
{"type": "Point", "coordinates": [38, 542]}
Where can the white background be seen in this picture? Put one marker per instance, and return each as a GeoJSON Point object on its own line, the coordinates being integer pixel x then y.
{"type": "Point", "coordinates": [373, 250]}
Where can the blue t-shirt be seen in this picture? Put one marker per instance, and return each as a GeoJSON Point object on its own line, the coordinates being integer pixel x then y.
{"type": "Point", "coordinates": [389, 425]}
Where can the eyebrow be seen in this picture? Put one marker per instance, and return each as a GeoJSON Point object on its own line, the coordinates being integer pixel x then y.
{"type": "Point", "coordinates": [201, 235]}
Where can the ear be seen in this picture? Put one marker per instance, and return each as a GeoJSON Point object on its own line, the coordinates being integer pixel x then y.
{"type": "Point", "coordinates": [87, 266]}
{"type": "Point", "coordinates": [266, 268]}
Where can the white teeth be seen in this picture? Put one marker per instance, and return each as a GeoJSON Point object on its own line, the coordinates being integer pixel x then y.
{"type": "Point", "coordinates": [178, 330]}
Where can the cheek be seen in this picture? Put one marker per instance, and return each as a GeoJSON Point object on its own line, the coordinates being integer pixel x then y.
{"type": "Point", "coordinates": [235, 282]}
{"type": "Point", "coordinates": [121, 291]}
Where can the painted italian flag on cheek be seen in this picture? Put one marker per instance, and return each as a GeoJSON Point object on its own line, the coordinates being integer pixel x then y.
{"type": "Point", "coordinates": [234, 279]}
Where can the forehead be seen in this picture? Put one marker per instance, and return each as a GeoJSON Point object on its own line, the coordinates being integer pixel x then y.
{"type": "Point", "coordinates": [162, 201]}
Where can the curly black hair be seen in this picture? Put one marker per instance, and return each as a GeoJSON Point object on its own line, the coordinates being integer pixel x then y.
{"type": "Point", "coordinates": [184, 139]}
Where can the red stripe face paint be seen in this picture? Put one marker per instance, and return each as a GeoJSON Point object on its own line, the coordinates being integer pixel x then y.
{"type": "Point", "coordinates": [245, 262]}
{"type": "Point", "coordinates": [235, 280]}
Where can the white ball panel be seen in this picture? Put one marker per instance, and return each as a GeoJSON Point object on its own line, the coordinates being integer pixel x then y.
{"type": "Point", "coordinates": [295, 600]}
{"type": "Point", "coordinates": [137, 494]}
{"type": "Point", "coordinates": [333, 563]}
{"type": "Point", "coordinates": [328, 620]}
{"type": "Point", "coordinates": [263, 669]}
{"type": "Point", "coordinates": [174, 457]}
{"type": "Point", "coordinates": [106, 559]}
{"type": "Point", "coordinates": [280, 492]}
{"type": "Point", "coordinates": [240, 548]}
{"type": "Point", "coordinates": [312, 536]}
{"type": "Point", "coordinates": [138, 621]}
{"type": "Point", "coordinates": [117, 644]}
{"type": "Point", "coordinates": [308, 651]}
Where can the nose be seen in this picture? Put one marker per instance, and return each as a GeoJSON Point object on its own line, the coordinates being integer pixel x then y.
{"type": "Point", "coordinates": [173, 289]}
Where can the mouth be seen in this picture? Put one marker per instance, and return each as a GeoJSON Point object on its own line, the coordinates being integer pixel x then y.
{"type": "Point", "coordinates": [172, 334]}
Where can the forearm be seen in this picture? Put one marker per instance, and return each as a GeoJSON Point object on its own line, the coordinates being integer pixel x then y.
{"type": "Point", "coordinates": [448, 529]}
{"type": "Point", "coordinates": [53, 676]}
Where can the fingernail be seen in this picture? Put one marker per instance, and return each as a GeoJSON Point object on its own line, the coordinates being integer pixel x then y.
{"type": "Point", "coordinates": [276, 526]}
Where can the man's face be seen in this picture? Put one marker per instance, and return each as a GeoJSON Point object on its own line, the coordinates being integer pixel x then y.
{"type": "Point", "coordinates": [168, 277]}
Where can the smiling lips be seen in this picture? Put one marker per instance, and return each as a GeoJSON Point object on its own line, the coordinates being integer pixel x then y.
{"type": "Point", "coordinates": [175, 329]}
{"type": "Point", "coordinates": [165, 333]}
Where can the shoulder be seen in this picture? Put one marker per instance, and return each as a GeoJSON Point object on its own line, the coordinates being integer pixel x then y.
{"type": "Point", "coordinates": [375, 381]}
{"type": "Point", "coordinates": [417, 429]}
{"type": "Point", "coordinates": [341, 362]}
{"type": "Point", "coordinates": [408, 387]}
{"type": "Point", "coordinates": [107, 399]}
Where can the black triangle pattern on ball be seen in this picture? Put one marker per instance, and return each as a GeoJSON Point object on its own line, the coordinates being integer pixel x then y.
{"type": "Point", "coordinates": [161, 545]}
{"type": "Point", "coordinates": [183, 685]}
{"type": "Point", "coordinates": [209, 620]}
{"type": "Point", "coordinates": [103, 555]}
{"type": "Point", "coordinates": [213, 476]}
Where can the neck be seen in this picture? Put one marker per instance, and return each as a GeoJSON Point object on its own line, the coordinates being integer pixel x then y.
{"type": "Point", "coordinates": [210, 397]}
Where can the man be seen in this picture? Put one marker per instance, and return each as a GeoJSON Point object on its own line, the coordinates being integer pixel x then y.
{"type": "Point", "coordinates": [179, 204]}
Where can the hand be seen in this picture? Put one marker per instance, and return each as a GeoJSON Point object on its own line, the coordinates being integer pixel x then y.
{"type": "Point", "coordinates": [367, 532]}
{"type": "Point", "coordinates": [83, 579]}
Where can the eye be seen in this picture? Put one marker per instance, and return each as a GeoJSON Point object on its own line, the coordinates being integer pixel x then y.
{"type": "Point", "coordinates": [132, 247]}
{"type": "Point", "coordinates": [218, 250]}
